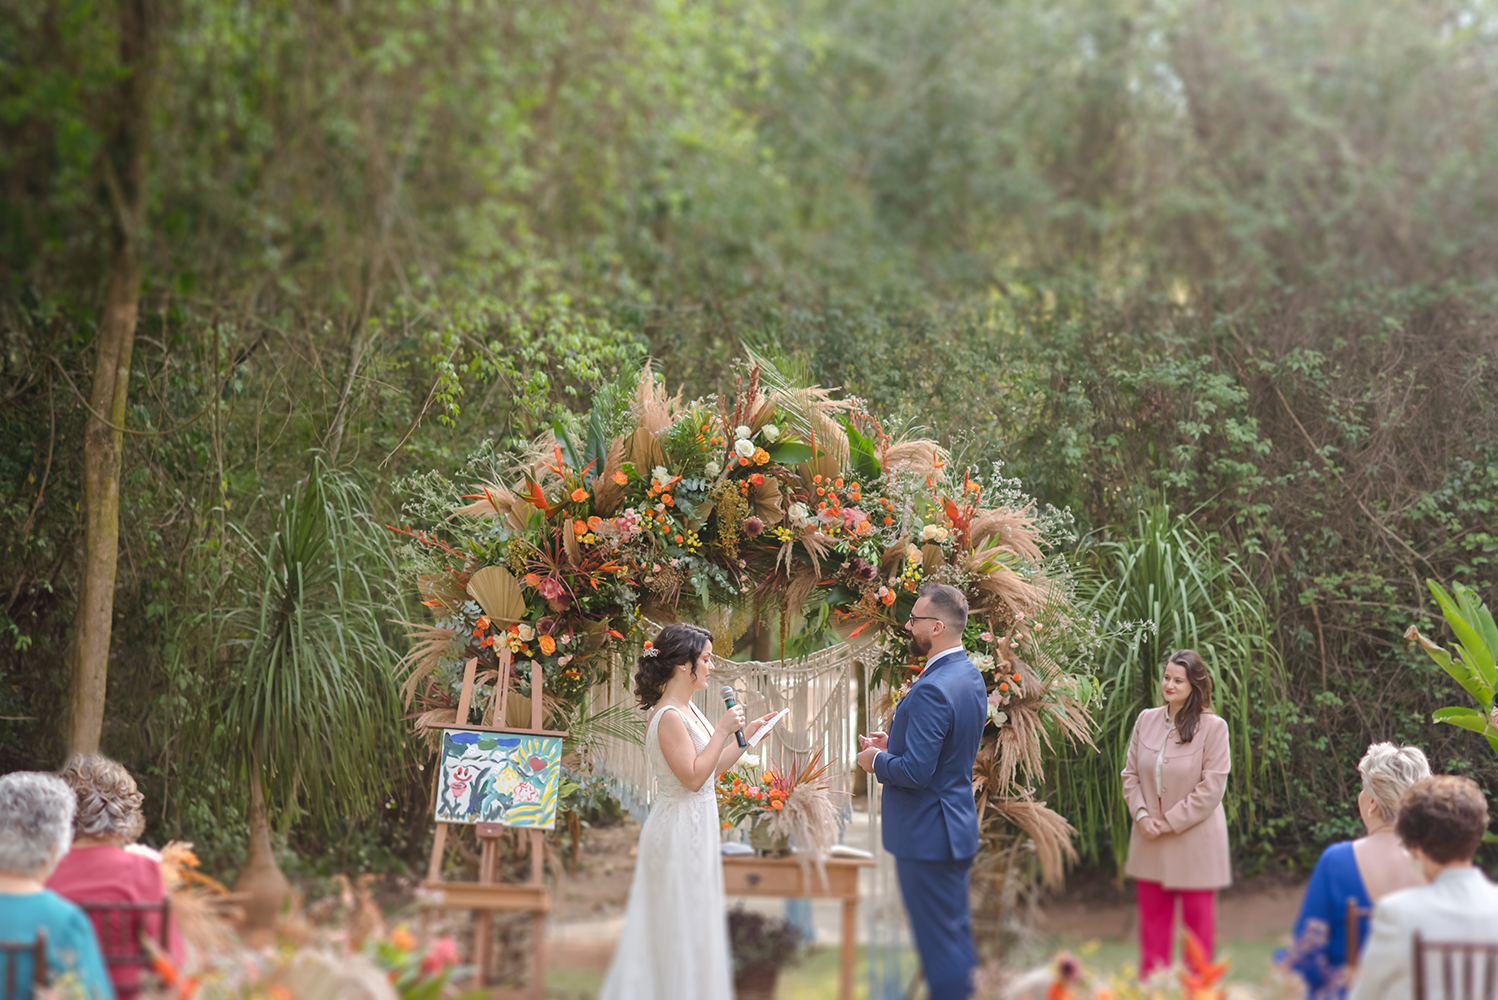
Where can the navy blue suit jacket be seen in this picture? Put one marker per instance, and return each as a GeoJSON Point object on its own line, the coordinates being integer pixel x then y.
{"type": "Point", "coordinates": [927, 773]}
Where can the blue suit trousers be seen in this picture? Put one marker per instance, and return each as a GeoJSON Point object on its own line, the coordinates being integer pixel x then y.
{"type": "Point", "coordinates": [935, 894]}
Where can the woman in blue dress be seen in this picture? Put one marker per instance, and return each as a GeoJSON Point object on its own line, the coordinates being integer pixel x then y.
{"type": "Point", "coordinates": [36, 830]}
{"type": "Point", "coordinates": [1363, 870]}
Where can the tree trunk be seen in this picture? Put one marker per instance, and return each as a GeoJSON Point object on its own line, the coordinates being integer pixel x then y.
{"type": "Point", "coordinates": [124, 169]}
{"type": "Point", "coordinates": [261, 877]}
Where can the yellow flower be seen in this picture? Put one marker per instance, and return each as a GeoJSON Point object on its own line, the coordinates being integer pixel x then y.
{"type": "Point", "coordinates": [761, 456]}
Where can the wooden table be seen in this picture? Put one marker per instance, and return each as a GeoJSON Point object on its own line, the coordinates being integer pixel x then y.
{"type": "Point", "coordinates": [748, 875]}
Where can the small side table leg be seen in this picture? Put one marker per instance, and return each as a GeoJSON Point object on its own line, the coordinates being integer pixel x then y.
{"type": "Point", "coordinates": [849, 949]}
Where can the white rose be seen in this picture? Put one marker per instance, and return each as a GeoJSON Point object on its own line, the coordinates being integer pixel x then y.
{"type": "Point", "coordinates": [526, 632]}
{"type": "Point", "coordinates": [659, 474]}
{"type": "Point", "coordinates": [744, 447]}
{"type": "Point", "coordinates": [912, 552]}
{"type": "Point", "coordinates": [930, 532]}
{"type": "Point", "coordinates": [941, 534]}
{"type": "Point", "coordinates": [771, 433]}
{"type": "Point", "coordinates": [742, 432]}
{"type": "Point", "coordinates": [799, 512]}
{"type": "Point", "coordinates": [713, 468]}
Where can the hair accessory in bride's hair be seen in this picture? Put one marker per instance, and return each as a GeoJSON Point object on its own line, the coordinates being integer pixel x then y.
{"type": "Point", "coordinates": [650, 649]}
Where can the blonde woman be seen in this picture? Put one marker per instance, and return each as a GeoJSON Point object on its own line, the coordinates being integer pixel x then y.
{"type": "Point", "coordinates": [99, 869]}
{"type": "Point", "coordinates": [1173, 782]}
{"type": "Point", "coordinates": [1365, 870]}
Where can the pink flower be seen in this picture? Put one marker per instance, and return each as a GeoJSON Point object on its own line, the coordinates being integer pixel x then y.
{"type": "Point", "coordinates": [753, 527]}
{"type": "Point", "coordinates": [442, 953]}
{"type": "Point", "coordinates": [852, 518]}
{"type": "Point", "coordinates": [555, 593]}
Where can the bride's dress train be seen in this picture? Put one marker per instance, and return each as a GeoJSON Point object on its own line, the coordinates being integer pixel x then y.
{"type": "Point", "coordinates": [675, 940]}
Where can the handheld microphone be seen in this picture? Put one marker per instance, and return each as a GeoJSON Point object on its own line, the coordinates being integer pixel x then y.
{"type": "Point", "coordinates": [730, 702]}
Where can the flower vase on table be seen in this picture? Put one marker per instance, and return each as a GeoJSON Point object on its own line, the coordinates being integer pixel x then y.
{"type": "Point", "coordinates": [766, 843]}
{"type": "Point", "coordinates": [780, 806]}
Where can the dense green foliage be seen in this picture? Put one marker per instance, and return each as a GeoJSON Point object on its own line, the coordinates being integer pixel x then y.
{"type": "Point", "coordinates": [1233, 258]}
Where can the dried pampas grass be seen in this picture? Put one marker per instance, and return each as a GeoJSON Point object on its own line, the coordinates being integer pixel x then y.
{"type": "Point", "coordinates": [430, 645]}
{"type": "Point", "coordinates": [921, 457]}
{"type": "Point", "coordinates": [1009, 529]}
{"type": "Point", "coordinates": [1048, 831]}
{"type": "Point", "coordinates": [810, 819]}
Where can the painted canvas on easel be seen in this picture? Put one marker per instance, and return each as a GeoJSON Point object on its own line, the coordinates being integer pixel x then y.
{"type": "Point", "coordinates": [499, 778]}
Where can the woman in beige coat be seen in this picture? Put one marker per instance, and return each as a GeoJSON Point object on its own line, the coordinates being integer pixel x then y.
{"type": "Point", "coordinates": [1173, 783]}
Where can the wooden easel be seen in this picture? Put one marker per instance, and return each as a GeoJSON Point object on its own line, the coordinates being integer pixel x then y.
{"type": "Point", "coordinates": [487, 897]}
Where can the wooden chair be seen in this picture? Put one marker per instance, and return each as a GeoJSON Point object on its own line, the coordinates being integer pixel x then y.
{"type": "Point", "coordinates": [1355, 913]}
{"type": "Point", "coordinates": [11, 952]}
{"type": "Point", "coordinates": [122, 929]}
{"type": "Point", "coordinates": [1452, 954]}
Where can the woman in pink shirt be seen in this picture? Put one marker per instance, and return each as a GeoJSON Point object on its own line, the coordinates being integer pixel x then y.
{"type": "Point", "coordinates": [98, 869]}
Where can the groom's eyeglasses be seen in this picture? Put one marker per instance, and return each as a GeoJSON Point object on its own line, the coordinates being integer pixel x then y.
{"type": "Point", "coordinates": [919, 618]}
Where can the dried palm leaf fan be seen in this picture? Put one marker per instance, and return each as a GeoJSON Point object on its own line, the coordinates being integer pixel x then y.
{"type": "Point", "coordinates": [498, 594]}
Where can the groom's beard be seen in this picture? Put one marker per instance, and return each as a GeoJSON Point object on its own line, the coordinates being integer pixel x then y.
{"type": "Point", "coordinates": [918, 647]}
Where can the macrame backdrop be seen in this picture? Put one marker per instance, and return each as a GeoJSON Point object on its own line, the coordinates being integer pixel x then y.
{"type": "Point", "coordinates": [818, 689]}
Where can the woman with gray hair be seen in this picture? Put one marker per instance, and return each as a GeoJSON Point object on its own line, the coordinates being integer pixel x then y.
{"type": "Point", "coordinates": [36, 827]}
{"type": "Point", "coordinates": [1364, 870]}
{"type": "Point", "coordinates": [100, 868]}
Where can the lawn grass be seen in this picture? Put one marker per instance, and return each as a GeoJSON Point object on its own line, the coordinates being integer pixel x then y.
{"type": "Point", "coordinates": [815, 977]}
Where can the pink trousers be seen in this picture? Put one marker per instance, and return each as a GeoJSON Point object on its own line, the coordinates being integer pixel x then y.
{"type": "Point", "coordinates": [1157, 917]}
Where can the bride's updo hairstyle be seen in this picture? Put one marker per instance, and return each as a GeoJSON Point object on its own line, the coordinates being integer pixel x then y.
{"type": "Point", "coordinates": [677, 643]}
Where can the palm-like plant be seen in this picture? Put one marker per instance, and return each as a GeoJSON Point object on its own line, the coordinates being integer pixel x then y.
{"type": "Point", "coordinates": [305, 674]}
{"type": "Point", "coordinates": [1169, 587]}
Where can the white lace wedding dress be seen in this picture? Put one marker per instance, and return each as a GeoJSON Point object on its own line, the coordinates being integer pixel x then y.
{"type": "Point", "coordinates": [675, 940]}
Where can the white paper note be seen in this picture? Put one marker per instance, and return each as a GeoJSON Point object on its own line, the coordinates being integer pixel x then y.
{"type": "Point", "coordinates": [754, 740]}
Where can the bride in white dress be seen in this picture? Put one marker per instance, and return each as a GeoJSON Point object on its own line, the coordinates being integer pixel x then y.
{"type": "Point", "coordinates": [675, 940]}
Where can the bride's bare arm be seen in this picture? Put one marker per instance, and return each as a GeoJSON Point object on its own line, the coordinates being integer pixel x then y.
{"type": "Point", "coordinates": [691, 768]}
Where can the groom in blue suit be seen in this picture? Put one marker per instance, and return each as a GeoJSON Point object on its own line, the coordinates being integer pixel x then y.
{"type": "Point", "coordinates": [925, 764]}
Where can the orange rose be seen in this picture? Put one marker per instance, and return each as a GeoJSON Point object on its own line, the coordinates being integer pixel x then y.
{"type": "Point", "coordinates": [761, 456]}
{"type": "Point", "coordinates": [548, 644]}
{"type": "Point", "coordinates": [579, 494]}
{"type": "Point", "coordinates": [619, 478]}
{"type": "Point", "coordinates": [777, 804]}
{"type": "Point", "coordinates": [580, 527]}
{"type": "Point", "coordinates": [757, 479]}
{"type": "Point", "coordinates": [888, 598]}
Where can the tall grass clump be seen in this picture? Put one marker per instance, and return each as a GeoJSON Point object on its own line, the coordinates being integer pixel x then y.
{"type": "Point", "coordinates": [1164, 587]}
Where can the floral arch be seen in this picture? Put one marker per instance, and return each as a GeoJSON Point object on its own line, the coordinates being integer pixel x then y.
{"type": "Point", "coordinates": [775, 502]}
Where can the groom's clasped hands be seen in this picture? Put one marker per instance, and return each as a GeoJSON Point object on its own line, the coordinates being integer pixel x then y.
{"type": "Point", "coordinates": [871, 745]}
